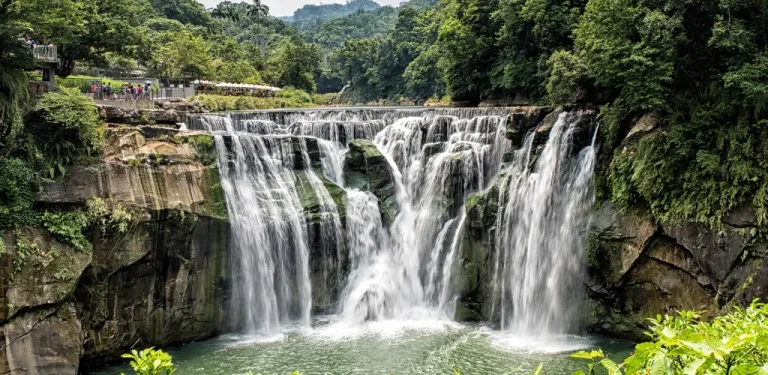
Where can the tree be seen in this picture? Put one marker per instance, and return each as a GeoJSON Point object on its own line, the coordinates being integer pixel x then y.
{"type": "Point", "coordinates": [352, 62]}
{"type": "Point", "coordinates": [84, 30]}
{"type": "Point", "coordinates": [186, 55]}
{"type": "Point", "coordinates": [238, 72]}
{"type": "Point", "coordinates": [294, 63]}
{"type": "Point", "coordinates": [184, 11]}
{"type": "Point", "coordinates": [14, 85]}
{"type": "Point", "coordinates": [466, 41]}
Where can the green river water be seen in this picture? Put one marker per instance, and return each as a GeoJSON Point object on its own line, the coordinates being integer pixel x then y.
{"type": "Point", "coordinates": [427, 347]}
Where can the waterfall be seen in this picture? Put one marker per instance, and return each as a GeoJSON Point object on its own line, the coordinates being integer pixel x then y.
{"type": "Point", "coordinates": [437, 161]}
{"type": "Point", "coordinates": [278, 170]}
{"type": "Point", "coordinates": [270, 235]}
{"type": "Point", "coordinates": [542, 227]}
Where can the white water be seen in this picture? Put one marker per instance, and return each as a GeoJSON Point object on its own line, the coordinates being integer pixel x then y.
{"type": "Point", "coordinates": [436, 162]}
{"type": "Point", "coordinates": [406, 272]}
{"type": "Point", "coordinates": [543, 229]}
{"type": "Point", "coordinates": [270, 259]}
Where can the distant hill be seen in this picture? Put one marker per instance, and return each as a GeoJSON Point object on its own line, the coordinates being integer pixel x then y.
{"type": "Point", "coordinates": [320, 13]}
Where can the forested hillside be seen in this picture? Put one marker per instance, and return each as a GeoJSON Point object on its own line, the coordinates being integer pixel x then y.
{"type": "Point", "coordinates": [702, 66]}
{"type": "Point", "coordinates": [312, 14]}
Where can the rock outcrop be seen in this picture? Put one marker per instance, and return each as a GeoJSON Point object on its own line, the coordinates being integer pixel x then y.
{"type": "Point", "coordinates": [367, 169]}
{"type": "Point", "coordinates": [159, 281]}
{"type": "Point", "coordinates": [639, 268]}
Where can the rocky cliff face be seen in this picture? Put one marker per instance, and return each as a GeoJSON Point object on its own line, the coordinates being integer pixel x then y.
{"type": "Point", "coordinates": [162, 281]}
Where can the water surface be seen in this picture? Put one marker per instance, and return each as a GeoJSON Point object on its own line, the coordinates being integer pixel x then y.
{"type": "Point", "coordinates": [391, 347]}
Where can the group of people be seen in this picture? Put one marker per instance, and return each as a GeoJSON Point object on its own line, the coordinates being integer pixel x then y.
{"type": "Point", "coordinates": [127, 91]}
{"type": "Point", "coordinates": [29, 42]}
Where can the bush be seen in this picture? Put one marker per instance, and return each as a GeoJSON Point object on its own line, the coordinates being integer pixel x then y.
{"type": "Point", "coordinates": [68, 227]}
{"type": "Point", "coordinates": [151, 362]}
{"type": "Point", "coordinates": [65, 128]}
{"type": "Point", "coordinates": [18, 185]}
{"type": "Point", "coordinates": [695, 169]}
{"type": "Point", "coordinates": [734, 344]}
{"type": "Point", "coordinates": [288, 98]}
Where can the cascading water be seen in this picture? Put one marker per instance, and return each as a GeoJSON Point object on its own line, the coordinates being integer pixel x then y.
{"type": "Point", "coordinates": [437, 157]}
{"type": "Point", "coordinates": [268, 232]}
{"type": "Point", "coordinates": [436, 162]}
{"type": "Point", "coordinates": [542, 230]}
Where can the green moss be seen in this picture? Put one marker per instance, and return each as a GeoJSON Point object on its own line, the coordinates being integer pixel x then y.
{"type": "Point", "coordinates": [24, 249]}
{"type": "Point", "coordinates": [204, 145]}
{"type": "Point", "coordinates": [217, 203]}
{"type": "Point", "coordinates": [68, 227]}
{"type": "Point", "coordinates": [307, 196]}
{"type": "Point", "coordinates": [473, 200]}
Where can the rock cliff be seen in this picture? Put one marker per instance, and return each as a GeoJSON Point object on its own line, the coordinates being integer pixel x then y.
{"type": "Point", "coordinates": [161, 281]}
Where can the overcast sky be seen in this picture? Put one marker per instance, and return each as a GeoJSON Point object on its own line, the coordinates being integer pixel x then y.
{"type": "Point", "coordinates": [286, 7]}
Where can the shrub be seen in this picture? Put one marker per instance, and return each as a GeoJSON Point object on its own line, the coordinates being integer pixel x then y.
{"type": "Point", "coordinates": [63, 129]}
{"type": "Point", "coordinates": [696, 170]}
{"type": "Point", "coordinates": [288, 98]}
{"type": "Point", "coordinates": [151, 362]}
{"type": "Point", "coordinates": [68, 227]}
{"type": "Point", "coordinates": [734, 344]}
{"type": "Point", "coordinates": [18, 184]}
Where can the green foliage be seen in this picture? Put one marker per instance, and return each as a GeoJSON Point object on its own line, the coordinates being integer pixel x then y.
{"type": "Point", "coordinates": [289, 99]}
{"type": "Point", "coordinates": [14, 89]}
{"type": "Point", "coordinates": [64, 129]}
{"type": "Point", "coordinates": [565, 76]}
{"type": "Point", "coordinates": [18, 185]}
{"type": "Point", "coordinates": [696, 169]}
{"type": "Point", "coordinates": [68, 228]}
{"type": "Point", "coordinates": [24, 249]}
{"type": "Point", "coordinates": [360, 25]}
{"type": "Point", "coordinates": [304, 16]}
{"type": "Point", "coordinates": [733, 344]}
{"type": "Point", "coordinates": [238, 72]}
{"type": "Point", "coordinates": [186, 55]}
{"type": "Point", "coordinates": [151, 362]}
{"type": "Point", "coordinates": [466, 40]}
{"type": "Point", "coordinates": [295, 63]}
{"type": "Point", "coordinates": [117, 219]}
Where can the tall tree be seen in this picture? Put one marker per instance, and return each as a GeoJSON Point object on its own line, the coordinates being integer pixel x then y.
{"type": "Point", "coordinates": [14, 85]}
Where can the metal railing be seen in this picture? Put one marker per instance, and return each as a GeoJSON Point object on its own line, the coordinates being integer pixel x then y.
{"type": "Point", "coordinates": [175, 92]}
{"type": "Point", "coordinates": [47, 54]}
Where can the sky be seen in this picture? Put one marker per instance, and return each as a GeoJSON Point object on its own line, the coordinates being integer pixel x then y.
{"type": "Point", "coordinates": [280, 8]}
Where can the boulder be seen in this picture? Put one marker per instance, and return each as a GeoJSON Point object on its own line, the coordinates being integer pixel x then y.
{"type": "Point", "coordinates": [717, 252]}
{"type": "Point", "coordinates": [155, 187]}
{"type": "Point", "coordinates": [616, 242]}
{"type": "Point", "coordinates": [646, 124]}
{"type": "Point", "coordinates": [44, 342]}
{"type": "Point", "coordinates": [163, 283]}
{"type": "Point", "coordinates": [520, 122]}
{"type": "Point", "coordinates": [45, 271]}
{"type": "Point", "coordinates": [367, 169]}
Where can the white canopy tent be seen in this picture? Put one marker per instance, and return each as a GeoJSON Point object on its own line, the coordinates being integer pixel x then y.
{"type": "Point", "coordinates": [245, 86]}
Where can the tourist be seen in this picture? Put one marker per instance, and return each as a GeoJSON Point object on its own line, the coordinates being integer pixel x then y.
{"type": "Point", "coordinates": [109, 90]}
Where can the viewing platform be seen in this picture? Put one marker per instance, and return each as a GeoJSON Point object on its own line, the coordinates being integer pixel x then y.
{"type": "Point", "coordinates": [45, 54]}
{"type": "Point", "coordinates": [45, 58]}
